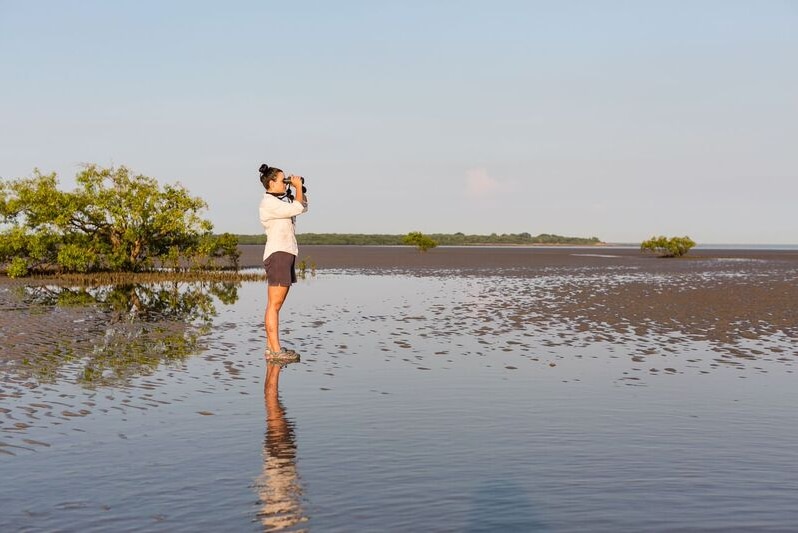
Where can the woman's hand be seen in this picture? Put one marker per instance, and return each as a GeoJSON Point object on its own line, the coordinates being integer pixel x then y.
{"type": "Point", "coordinates": [296, 181]}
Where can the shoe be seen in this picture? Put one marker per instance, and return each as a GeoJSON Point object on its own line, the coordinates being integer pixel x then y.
{"type": "Point", "coordinates": [284, 356]}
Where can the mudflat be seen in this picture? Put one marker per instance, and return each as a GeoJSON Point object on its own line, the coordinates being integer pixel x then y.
{"type": "Point", "coordinates": [528, 259]}
{"type": "Point", "coordinates": [731, 297]}
{"type": "Point", "coordinates": [716, 295]}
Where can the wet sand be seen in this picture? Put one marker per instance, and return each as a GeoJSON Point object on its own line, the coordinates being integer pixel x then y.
{"type": "Point", "coordinates": [719, 295]}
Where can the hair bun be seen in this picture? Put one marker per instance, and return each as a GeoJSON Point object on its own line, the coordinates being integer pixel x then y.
{"type": "Point", "coordinates": [264, 168]}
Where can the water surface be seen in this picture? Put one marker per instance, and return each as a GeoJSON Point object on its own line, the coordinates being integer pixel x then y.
{"type": "Point", "coordinates": [440, 403]}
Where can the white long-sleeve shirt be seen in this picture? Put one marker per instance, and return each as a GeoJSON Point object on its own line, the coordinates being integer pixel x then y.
{"type": "Point", "coordinates": [278, 222]}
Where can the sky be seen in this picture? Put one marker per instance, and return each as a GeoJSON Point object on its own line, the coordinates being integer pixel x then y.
{"type": "Point", "coordinates": [615, 119]}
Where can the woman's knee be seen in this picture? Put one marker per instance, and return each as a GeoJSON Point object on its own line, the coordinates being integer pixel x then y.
{"type": "Point", "coordinates": [277, 292]}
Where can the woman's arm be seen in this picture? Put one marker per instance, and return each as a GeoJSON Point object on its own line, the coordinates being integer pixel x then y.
{"type": "Point", "coordinates": [271, 208]}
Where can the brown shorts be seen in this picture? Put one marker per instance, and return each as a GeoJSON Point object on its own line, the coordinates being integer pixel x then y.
{"type": "Point", "coordinates": [280, 269]}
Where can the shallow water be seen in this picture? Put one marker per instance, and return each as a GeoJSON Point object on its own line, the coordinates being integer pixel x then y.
{"type": "Point", "coordinates": [442, 403]}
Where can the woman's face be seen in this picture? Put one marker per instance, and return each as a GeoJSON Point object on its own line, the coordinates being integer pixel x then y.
{"type": "Point", "coordinates": [277, 185]}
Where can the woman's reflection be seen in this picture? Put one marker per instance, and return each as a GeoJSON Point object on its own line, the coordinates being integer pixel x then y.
{"type": "Point", "coordinates": [278, 486]}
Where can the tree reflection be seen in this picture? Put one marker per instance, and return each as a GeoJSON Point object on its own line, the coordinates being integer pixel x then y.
{"type": "Point", "coordinates": [108, 334]}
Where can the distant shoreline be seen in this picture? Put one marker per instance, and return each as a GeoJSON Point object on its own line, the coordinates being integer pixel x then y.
{"type": "Point", "coordinates": [512, 240]}
{"type": "Point", "coordinates": [442, 239]}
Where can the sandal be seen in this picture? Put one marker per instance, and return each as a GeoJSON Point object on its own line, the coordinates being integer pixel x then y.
{"type": "Point", "coordinates": [283, 356]}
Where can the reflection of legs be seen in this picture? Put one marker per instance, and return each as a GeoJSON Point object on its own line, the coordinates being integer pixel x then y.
{"type": "Point", "coordinates": [276, 298]}
{"type": "Point", "coordinates": [278, 486]}
{"type": "Point", "coordinates": [272, 382]}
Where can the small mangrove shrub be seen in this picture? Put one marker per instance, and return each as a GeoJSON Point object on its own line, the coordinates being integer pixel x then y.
{"type": "Point", "coordinates": [668, 247]}
{"type": "Point", "coordinates": [419, 240]}
{"type": "Point", "coordinates": [305, 264]}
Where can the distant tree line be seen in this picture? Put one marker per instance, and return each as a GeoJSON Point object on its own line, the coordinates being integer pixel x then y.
{"type": "Point", "coordinates": [442, 239]}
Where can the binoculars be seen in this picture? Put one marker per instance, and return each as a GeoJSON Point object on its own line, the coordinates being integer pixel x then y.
{"type": "Point", "coordinates": [287, 181]}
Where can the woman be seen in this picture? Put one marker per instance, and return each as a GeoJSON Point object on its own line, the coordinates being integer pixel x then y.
{"type": "Point", "coordinates": [277, 214]}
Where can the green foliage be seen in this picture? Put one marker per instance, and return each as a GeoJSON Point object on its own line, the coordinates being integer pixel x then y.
{"type": "Point", "coordinates": [207, 251]}
{"type": "Point", "coordinates": [418, 239]}
{"type": "Point", "coordinates": [35, 246]}
{"type": "Point", "coordinates": [349, 238]}
{"type": "Point", "coordinates": [303, 265]}
{"type": "Point", "coordinates": [171, 259]}
{"type": "Point", "coordinates": [226, 246]}
{"type": "Point", "coordinates": [114, 220]}
{"type": "Point", "coordinates": [17, 268]}
{"type": "Point", "coordinates": [74, 258]}
{"type": "Point", "coordinates": [665, 247]}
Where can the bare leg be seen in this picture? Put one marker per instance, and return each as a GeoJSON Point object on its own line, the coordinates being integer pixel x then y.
{"type": "Point", "coordinates": [271, 317]}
